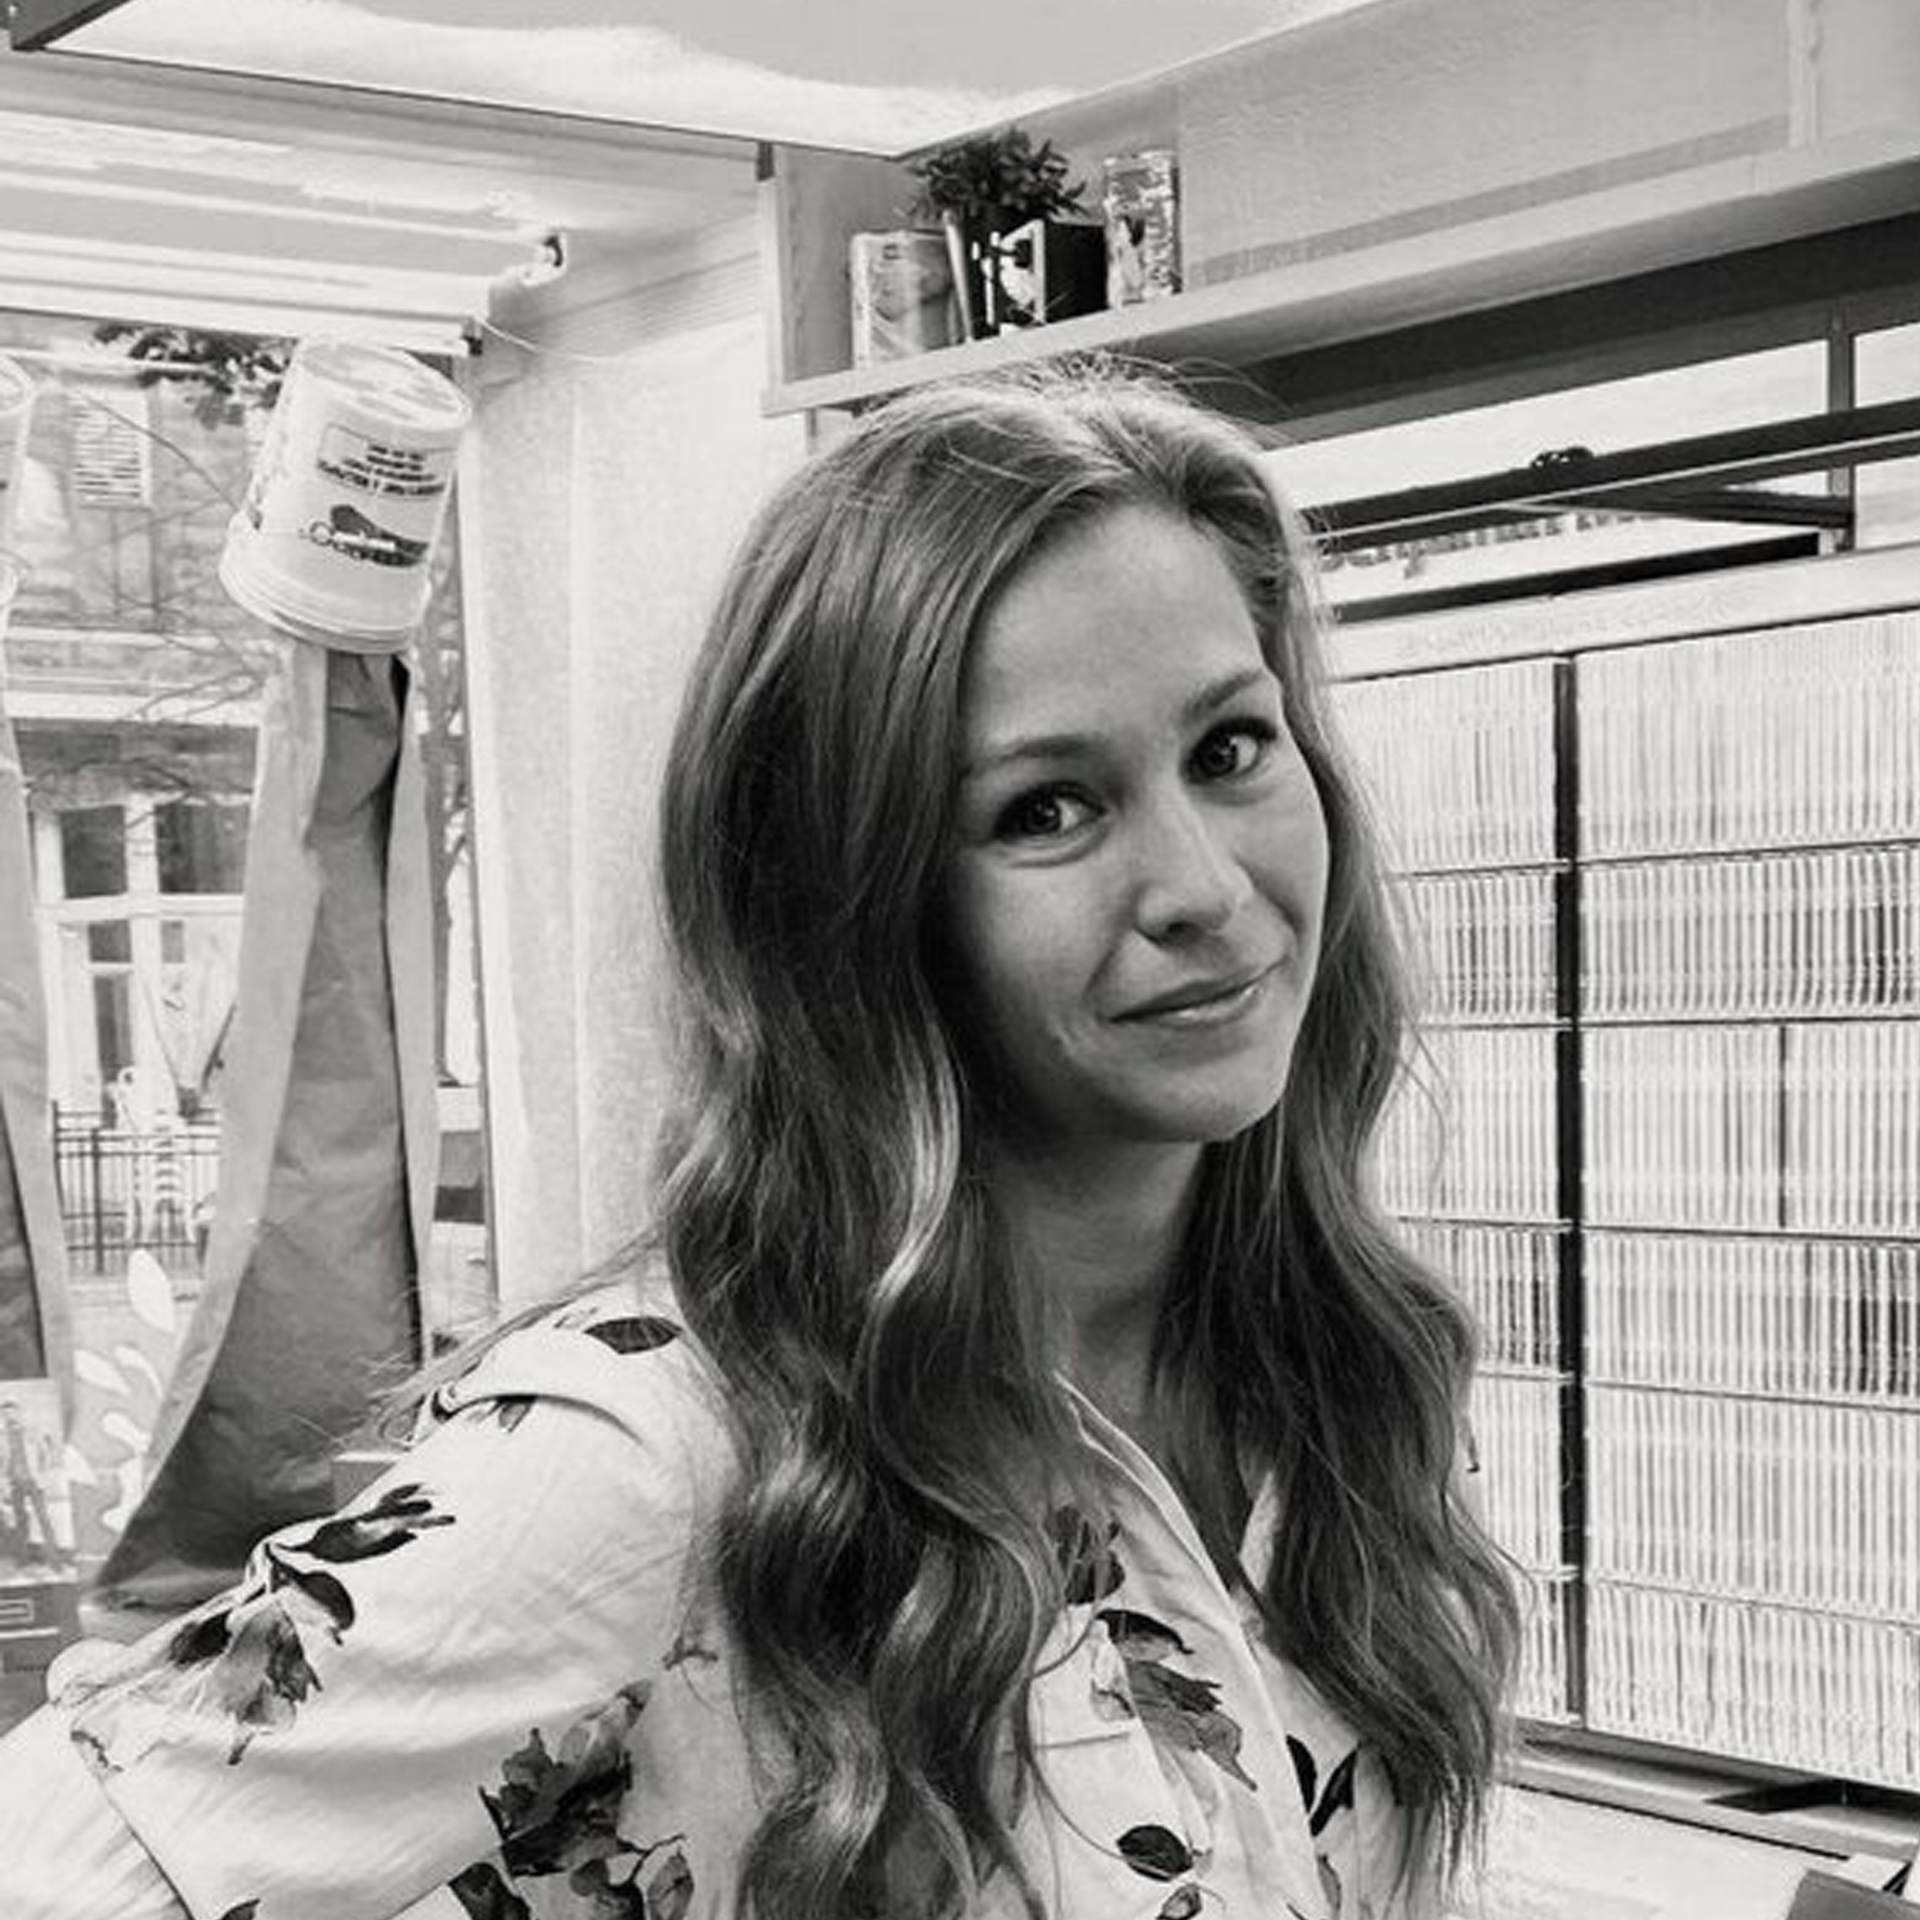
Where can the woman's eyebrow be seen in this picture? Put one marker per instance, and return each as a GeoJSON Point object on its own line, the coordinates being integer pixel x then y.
{"type": "Point", "coordinates": [1033, 746]}
{"type": "Point", "coordinates": [1066, 746]}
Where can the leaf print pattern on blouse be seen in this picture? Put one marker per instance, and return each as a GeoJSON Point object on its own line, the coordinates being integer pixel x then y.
{"type": "Point", "coordinates": [244, 1911]}
{"type": "Point", "coordinates": [637, 1333]}
{"type": "Point", "coordinates": [245, 1658]}
{"type": "Point", "coordinates": [1089, 1567]}
{"type": "Point", "coordinates": [1180, 1711]}
{"type": "Point", "coordinates": [1336, 1797]}
{"type": "Point", "coordinates": [670, 1891]}
{"type": "Point", "coordinates": [1183, 1903]}
{"type": "Point", "coordinates": [1155, 1853]}
{"type": "Point", "coordinates": [398, 1516]}
{"type": "Point", "coordinates": [557, 1813]}
{"type": "Point", "coordinates": [483, 1895]}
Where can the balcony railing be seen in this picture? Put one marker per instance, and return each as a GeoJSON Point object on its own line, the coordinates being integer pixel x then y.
{"type": "Point", "coordinates": [121, 1188]}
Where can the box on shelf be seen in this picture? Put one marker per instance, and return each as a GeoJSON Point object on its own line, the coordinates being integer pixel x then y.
{"type": "Point", "coordinates": [902, 287]}
{"type": "Point", "coordinates": [1141, 202]}
{"type": "Point", "coordinates": [1046, 270]}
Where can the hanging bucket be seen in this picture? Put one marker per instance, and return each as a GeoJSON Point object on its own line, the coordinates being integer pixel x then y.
{"type": "Point", "coordinates": [16, 416]}
{"type": "Point", "coordinates": [334, 541]}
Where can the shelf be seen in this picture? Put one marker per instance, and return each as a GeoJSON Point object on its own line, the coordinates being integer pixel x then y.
{"type": "Point", "coordinates": [1480, 1220]}
{"type": "Point", "coordinates": [1467, 869]}
{"type": "Point", "coordinates": [1492, 1023]}
{"type": "Point", "coordinates": [1839, 1016]}
{"type": "Point", "coordinates": [1754, 850]}
{"type": "Point", "coordinates": [1863, 1236]}
{"type": "Point", "coordinates": [1862, 1402]}
{"type": "Point", "coordinates": [1219, 334]}
{"type": "Point", "coordinates": [1754, 1602]}
{"type": "Point", "coordinates": [1712, 1791]}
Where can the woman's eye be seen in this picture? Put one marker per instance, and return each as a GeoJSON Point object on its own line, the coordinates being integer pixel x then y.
{"type": "Point", "coordinates": [1041, 815]}
{"type": "Point", "coordinates": [1232, 750]}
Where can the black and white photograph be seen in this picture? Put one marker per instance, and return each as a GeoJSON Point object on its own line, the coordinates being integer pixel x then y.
{"type": "Point", "coordinates": [959, 963]}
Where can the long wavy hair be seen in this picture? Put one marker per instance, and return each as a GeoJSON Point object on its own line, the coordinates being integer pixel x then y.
{"type": "Point", "coordinates": [884, 1562]}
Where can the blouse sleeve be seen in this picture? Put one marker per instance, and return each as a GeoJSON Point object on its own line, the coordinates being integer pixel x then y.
{"type": "Point", "coordinates": [64, 1850]}
{"type": "Point", "coordinates": [389, 1698]}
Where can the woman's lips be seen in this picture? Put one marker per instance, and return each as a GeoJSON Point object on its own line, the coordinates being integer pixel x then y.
{"type": "Point", "coordinates": [1203, 1003]}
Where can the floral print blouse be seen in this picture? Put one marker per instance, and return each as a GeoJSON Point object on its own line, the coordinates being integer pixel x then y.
{"type": "Point", "coordinates": [492, 1688]}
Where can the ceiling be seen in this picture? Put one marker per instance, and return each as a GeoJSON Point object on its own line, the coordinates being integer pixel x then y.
{"type": "Point", "coordinates": [877, 75]}
{"type": "Point", "coordinates": [382, 163]}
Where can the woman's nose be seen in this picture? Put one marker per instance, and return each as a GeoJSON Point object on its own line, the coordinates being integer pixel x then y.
{"type": "Point", "coordinates": [1188, 874]}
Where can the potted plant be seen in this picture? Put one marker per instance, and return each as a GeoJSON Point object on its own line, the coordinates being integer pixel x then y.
{"type": "Point", "coordinates": [982, 191]}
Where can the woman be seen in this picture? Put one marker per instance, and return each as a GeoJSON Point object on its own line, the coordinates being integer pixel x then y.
{"type": "Point", "coordinates": [1024, 1481]}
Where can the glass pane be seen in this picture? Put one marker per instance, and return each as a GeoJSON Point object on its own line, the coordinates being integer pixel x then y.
{"type": "Point", "coordinates": [112, 1024]}
{"type": "Point", "coordinates": [1887, 493]}
{"type": "Point", "coordinates": [1604, 417]}
{"type": "Point", "coordinates": [109, 940]}
{"type": "Point", "coordinates": [201, 846]}
{"type": "Point", "coordinates": [93, 851]}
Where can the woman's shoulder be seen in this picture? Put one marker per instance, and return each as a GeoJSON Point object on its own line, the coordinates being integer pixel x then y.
{"type": "Point", "coordinates": [619, 1350]}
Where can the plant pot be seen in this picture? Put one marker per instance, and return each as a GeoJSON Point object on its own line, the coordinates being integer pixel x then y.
{"type": "Point", "coordinates": [967, 252]}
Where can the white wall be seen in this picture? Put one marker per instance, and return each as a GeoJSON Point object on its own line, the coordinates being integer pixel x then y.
{"type": "Point", "coordinates": [612, 468]}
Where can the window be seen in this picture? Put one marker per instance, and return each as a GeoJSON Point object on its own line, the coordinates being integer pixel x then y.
{"type": "Point", "coordinates": [93, 852]}
{"type": "Point", "coordinates": [112, 466]}
{"type": "Point", "coordinates": [112, 1023]}
{"type": "Point", "coordinates": [201, 845]}
{"type": "Point", "coordinates": [109, 941]}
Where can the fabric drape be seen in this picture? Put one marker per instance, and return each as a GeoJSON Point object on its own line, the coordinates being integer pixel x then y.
{"type": "Point", "coordinates": [309, 1300]}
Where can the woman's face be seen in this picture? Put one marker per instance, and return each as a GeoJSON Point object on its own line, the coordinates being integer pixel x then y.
{"type": "Point", "coordinates": [1134, 899]}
